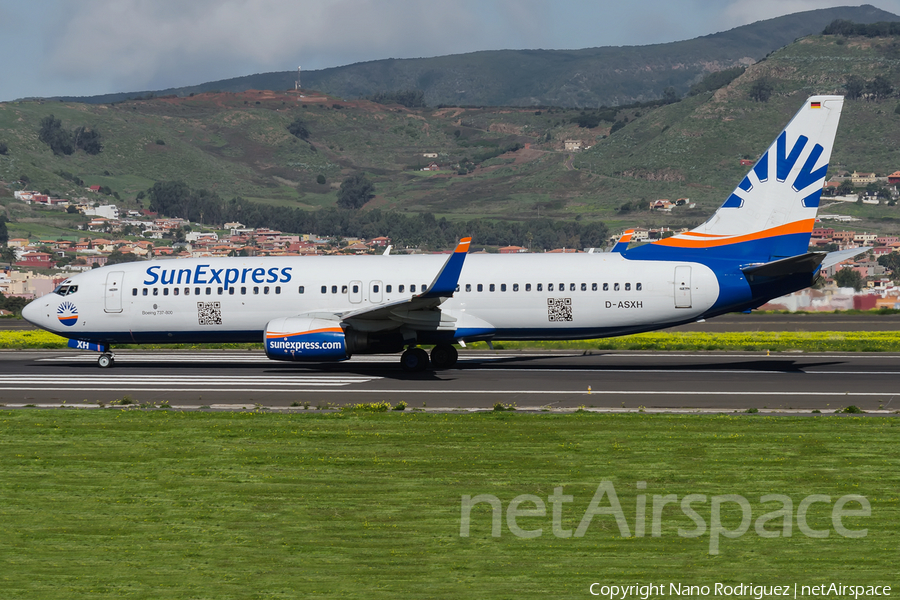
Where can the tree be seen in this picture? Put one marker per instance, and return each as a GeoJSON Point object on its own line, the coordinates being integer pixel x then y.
{"type": "Point", "coordinates": [52, 133]}
{"type": "Point", "coordinates": [117, 256]}
{"type": "Point", "coordinates": [4, 232]}
{"type": "Point", "coordinates": [298, 129]}
{"type": "Point", "coordinates": [87, 140]}
{"type": "Point", "coordinates": [847, 277]}
{"type": "Point", "coordinates": [320, 179]}
{"type": "Point", "coordinates": [8, 255]}
{"type": "Point", "coordinates": [890, 261]}
{"type": "Point", "coordinates": [670, 96]}
{"type": "Point", "coordinates": [761, 90]}
{"type": "Point", "coordinates": [855, 86]}
{"type": "Point", "coordinates": [355, 191]}
{"type": "Point", "coordinates": [879, 88]}
{"type": "Point", "coordinates": [845, 188]}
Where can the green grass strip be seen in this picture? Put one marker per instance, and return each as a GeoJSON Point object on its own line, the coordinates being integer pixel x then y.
{"type": "Point", "coordinates": [806, 341]}
{"type": "Point", "coordinates": [359, 504]}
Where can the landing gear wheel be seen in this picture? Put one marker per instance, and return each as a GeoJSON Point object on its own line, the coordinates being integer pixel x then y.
{"type": "Point", "coordinates": [444, 356]}
{"type": "Point", "coordinates": [414, 360]}
{"type": "Point", "coordinates": [106, 361]}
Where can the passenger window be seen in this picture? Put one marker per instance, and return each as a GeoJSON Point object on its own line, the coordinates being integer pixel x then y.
{"type": "Point", "coordinates": [593, 287]}
{"type": "Point", "coordinates": [187, 291]}
{"type": "Point", "coordinates": [637, 287]}
{"type": "Point", "coordinates": [549, 287]}
{"type": "Point", "coordinates": [196, 291]}
{"type": "Point", "coordinates": [277, 289]}
{"type": "Point", "coordinates": [334, 289]}
{"type": "Point", "coordinates": [457, 287]}
{"type": "Point", "coordinates": [412, 288]}
{"type": "Point", "coordinates": [176, 291]}
{"type": "Point", "coordinates": [243, 291]}
{"type": "Point", "coordinates": [145, 291]}
{"type": "Point", "coordinates": [605, 287]}
{"type": "Point", "coordinates": [219, 291]}
{"type": "Point", "coordinates": [615, 287]}
{"type": "Point", "coordinates": [468, 287]}
{"type": "Point", "coordinates": [540, 287]}
{"type": "Point", "coordinates": [492, 287]}
{"type": "Point", "coordinates": [231, 291]}
{"type": "Point", "coordinates": [324, 289]}
{"type": "Point", "coordinates": [255, 289]}
{"type": "Point", "coordinates": [165, 291]}
{"type": "Point", "coordinates": [627, 287]}
{"type": "Point", "coordinates": [387, 288]}
{"type": "Point", "coordinates": [343, 289]}
{"type": "Point", "coordinates": [515, 287]}
{"type": "Point", "coordinates": [302, 289]}
{"type": "Point", "coordinates": [400, 288]}
{"type": "Point", "coordinates": [423, 287]}
{"type": "Point", "coordinates": [583, 287]}
{"type": "Point", "coordinates": [266, 290]}
{"type": "Point", "coordinates": [502, 287]}
{"type": "Point", "coordinates": [208, 291]}
{"type": "Point", "coordinates": [375, 289]}
{"type": "Point", "coordinates": [480, 287]}
{"type": "Point", "coordinates": [156, 291]}
{"type": "Point", "coordinates": [134, 292]}
{"type": "Point", "coordinates": [527, 287]}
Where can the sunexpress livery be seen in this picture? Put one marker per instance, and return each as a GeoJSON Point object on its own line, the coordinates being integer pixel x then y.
{"type": "Point", "coordinates": [754, 248]}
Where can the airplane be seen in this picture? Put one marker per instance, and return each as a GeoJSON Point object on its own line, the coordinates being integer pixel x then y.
{"type": "Point", "coordinates": [753, 248]}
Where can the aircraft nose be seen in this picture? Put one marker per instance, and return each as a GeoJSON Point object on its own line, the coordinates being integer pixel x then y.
{"type": "Point", "coordinates": [32, 311]}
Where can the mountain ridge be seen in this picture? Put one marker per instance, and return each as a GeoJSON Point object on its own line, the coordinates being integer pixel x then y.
{"type": "Point", "coordinates": [588, 77]}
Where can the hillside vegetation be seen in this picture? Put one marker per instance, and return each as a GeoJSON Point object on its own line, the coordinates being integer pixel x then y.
{"type": "Point", "coordinates": [287, 150]}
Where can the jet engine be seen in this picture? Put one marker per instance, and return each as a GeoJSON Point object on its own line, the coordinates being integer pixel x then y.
{"type": "Point", "coordinates": [312, 339]}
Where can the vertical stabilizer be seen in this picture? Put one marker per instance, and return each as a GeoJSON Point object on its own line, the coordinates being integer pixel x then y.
{"type": "Point", "coordinates": [770, 214]}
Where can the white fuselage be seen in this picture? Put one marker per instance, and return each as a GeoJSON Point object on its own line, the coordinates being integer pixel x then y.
{"type": "Point", "coordinates": [525, 296]}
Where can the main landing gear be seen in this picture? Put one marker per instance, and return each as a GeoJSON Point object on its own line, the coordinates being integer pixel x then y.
{"type": "Point", "coordinates": [415, 360]}
{"type": "Point", "coordinates": [106, 360]}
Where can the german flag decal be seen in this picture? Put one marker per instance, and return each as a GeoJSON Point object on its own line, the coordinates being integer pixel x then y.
{"type": "Point", "coordinates": [815, 105]}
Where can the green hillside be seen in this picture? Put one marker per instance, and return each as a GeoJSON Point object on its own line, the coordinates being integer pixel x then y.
{"type": "Point", "coordinates": [587, 77]}
{"type": "Point", "coordinates": [238, 144]}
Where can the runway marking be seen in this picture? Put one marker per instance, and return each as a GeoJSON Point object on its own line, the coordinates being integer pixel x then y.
{"type": "Point", "coordinates": [686, 369]}
{"type": "Point", "coordinates": [185, 383]}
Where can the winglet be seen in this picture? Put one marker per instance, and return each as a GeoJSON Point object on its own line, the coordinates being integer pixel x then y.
{"type": "Point", "coordinates": [622, 245]}
{"type": "Point", "coordinates": [444, 285]}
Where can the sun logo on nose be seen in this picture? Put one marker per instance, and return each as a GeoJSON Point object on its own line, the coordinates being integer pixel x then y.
{"type": "Point", "coordinates": [67, 314]}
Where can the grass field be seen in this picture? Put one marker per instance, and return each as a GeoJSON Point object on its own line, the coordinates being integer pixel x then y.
{"type": "Point", "coordinates": [164, 504]}
{"type": "Point", "coordinates": [775, 341]}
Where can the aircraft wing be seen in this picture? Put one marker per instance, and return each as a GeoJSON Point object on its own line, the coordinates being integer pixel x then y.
{"type": "Point", "coordinates": [420, 311]}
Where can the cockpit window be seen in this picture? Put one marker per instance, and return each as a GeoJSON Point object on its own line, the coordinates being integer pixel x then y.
{"type": "Point", "coordinates": [65, 290]}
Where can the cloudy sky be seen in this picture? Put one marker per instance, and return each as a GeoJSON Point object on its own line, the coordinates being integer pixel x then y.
{"type": "Point", "coordinates": [88, 47]}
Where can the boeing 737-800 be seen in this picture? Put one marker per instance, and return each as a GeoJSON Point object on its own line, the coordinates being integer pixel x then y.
{"type": "Point", "coordinates": [753, 249]}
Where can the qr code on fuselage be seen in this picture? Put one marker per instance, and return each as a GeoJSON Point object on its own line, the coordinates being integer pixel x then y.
{"type": "Point", "coordinates": [209, 313]}
{"type": "Point", "coordinates": [559, 309]}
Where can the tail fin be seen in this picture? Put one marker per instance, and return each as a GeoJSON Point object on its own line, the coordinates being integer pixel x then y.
{"type": "Point", "coordinates": [770, 214]}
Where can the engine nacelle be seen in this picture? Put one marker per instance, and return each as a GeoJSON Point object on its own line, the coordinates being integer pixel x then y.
{"type": "Point", "coordinates": [305, 338]}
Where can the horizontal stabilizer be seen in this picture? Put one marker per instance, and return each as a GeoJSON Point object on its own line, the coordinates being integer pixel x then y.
{"type": "Point", "coordinates": [803, 263]}
{"type": "Point", "coordinates": [833, 258]}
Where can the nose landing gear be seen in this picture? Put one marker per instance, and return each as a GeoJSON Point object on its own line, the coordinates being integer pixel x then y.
{"type": "Point", "coordinates": [106, 360]}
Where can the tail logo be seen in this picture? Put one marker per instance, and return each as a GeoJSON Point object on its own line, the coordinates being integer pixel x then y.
{"type": "Point", "coordinates": [784, 164]}
{"type": "Point", "coordinates": [67, 314]}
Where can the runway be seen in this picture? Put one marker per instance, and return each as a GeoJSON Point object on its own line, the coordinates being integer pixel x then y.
{"type": "Point", "coordinates": [727, 381]}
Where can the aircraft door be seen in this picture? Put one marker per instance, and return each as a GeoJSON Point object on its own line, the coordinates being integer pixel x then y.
{"type": "Point", "coordinates": [375, 291]}
{"type": "Point", "coordinates": [682, 287]}
{"type": "Point", "coordinates": [113, 296]}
